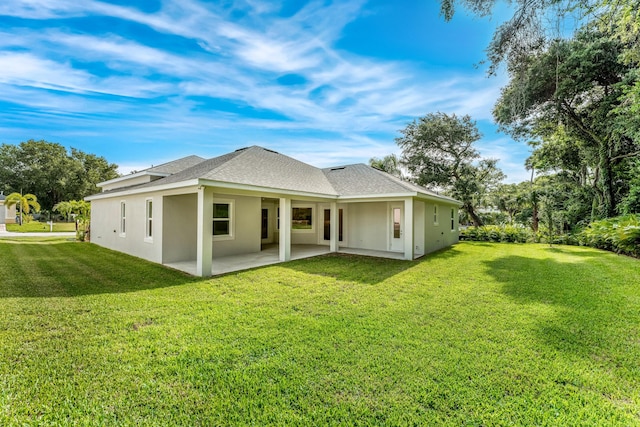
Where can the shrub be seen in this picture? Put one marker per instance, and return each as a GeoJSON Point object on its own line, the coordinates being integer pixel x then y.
{"type": "Point", "coordinates": [497, 233]}
{"type": "Point", "coordinates": [620, 235]}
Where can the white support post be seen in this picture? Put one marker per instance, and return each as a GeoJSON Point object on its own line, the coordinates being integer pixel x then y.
{"type": "Point", "coordinates": [205, 232]}
{"type": "Point", "coordinates": [285, 229]}
{"type": "Point", "coordinates": [333, 228]}
{"type": "Point", "coordinates": [408, 228]}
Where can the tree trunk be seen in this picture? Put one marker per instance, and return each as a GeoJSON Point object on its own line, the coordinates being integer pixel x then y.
{"type": "Point", "coordinates": [474, 217]}
{"type": "Point", "coordinates": [535, 221]}
{"type": "Point", "coordinates": [607, 181]}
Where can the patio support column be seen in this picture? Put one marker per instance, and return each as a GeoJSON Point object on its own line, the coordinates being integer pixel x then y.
{"type": "Point", "coordinates": [333, 228]}
{"type": "Point", "coordinates": [285, 229]}
{"type": "Point", "coordinates": [408, 228]}
{"type": "Point", "coordinates": [205, 232]}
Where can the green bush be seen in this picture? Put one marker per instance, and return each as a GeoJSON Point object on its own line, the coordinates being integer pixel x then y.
{"type": "Point", "coordinates": [620, 235]}
{"type": "Point", "coordinates": [497, 233]}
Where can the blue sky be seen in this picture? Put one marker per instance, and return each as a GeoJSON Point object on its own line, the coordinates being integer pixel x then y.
{"type": "Point", "coordinates": [144, 82]}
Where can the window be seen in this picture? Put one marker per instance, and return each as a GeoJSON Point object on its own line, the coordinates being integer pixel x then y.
{"type": "Point", "coordinates": [123, 219]}
{"type": "Point", "coordinates": [301, 219]}
{"type": "Point", "coordinates": [149, 217]}
{"type": "Point", "coordinates": [223, 219]}
{"type": "Point", "coordinates": [396, 223]}
{"type": "Point", "coordinates": [327, 224]}
{"type": "Point", "coordinates": [435, 214]}
{"type": "Point", "coordinates": [453, 220]}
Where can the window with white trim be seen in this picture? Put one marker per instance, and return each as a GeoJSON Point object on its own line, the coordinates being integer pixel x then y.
{"type": "Point", "coordinates": [453, 219]}
{"type": "Point", "coordinates": [149, 220]}
{"type": "Point", "coordinates": [302, 218]}
{"type": "Point", "coordinates": [435, 214]}
{"type": "Point", "coordinates": [123, 218]}
{"type": "Point", "coordinates": [222, 219]}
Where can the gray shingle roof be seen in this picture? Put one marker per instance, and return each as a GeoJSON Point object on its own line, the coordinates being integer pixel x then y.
{"type": "Point", "coordinates": [260, 167]}
{"type": "Point", "coordinates": [176, 165]}
{"type": "Point", "coordinates": [361, 179]}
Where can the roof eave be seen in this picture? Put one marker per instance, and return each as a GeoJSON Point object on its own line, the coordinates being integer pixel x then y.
{"type": "Point", "coordinates": [142, 190]}
{"type": "Point", "coordinates": [132, 175]}
{"type": "Point", "coordinates": [268, 190]}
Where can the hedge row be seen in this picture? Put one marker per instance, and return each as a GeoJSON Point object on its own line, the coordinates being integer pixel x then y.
{"type": "Point", "coordinates": [620, 235]}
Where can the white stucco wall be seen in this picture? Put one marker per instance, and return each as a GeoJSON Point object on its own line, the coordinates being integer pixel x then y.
{"type": "Point", "coordinates": [7, 213]}
{"type": "Point", "coordinates": [419, 228]}
{"type": "Point", "coordinates": [439, 235]}
{"type": "Point", "coordinates": [179, 227]}
{"type": "Point", "coordinates": [246, 226]}
{"type": "Point", "coordinates": [105, 225]}
{"type": "Point", "coordinates": [368, 226]}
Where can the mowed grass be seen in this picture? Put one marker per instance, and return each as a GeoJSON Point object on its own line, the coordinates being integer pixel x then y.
{"type": "Point", "coordinates": [478, 334]}
{"type": "Point", "coordinates": [41, 227]}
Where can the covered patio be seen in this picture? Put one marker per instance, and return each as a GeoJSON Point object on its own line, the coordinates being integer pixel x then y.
{"type": "Point", "coordinates": [270, 255]}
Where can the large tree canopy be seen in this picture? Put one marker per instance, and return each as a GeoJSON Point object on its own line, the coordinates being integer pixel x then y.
{"type": "Point", "coordinates": [47, 170]}
{"type": "Point", "coordinates": [567, 96]}
{"type": "Point", "coordinates": [536, 22]}
{"type": "Point", "coordinates": [438, 151]}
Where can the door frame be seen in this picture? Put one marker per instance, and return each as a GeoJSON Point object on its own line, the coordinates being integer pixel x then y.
{"type": "Point", "coordinates": [396, 244]}
{"type": "Point", "coordinates": [321, 208]}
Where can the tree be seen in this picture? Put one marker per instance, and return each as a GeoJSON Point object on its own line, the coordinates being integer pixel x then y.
{"type": "Point", "coordinates": [534, 23]}
{"type": "Point", "coordinates": [52, 173]}
{"type": "Point", "coordinates": [82, 212]}
{"type": "Point", "coordinates": [390, 164]}
{"type": "Point", "coordinates": [438, 151]}
{"type": "Point", "coordinates": [25, 203]}
{"type": "Point", "coordinates": [64, 208]}
{"type": "Point", "coordinates": [566, 96]}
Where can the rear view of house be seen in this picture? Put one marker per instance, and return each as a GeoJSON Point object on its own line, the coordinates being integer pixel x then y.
{"type": "Point", "coordinates": [201, 216]}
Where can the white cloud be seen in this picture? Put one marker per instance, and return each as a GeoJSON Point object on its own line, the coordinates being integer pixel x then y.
{"type": "Point", "coordinates": [50, 71]}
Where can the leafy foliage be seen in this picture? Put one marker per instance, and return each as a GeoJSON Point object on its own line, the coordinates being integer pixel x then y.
{"type": "Point", "coordinates": [438, 151]}
{"type": "Point", "coordinates": [81, 210]}
{"type": "Point", "coordinates": [24, 203]}
{"type": "Point", "coordinates": [497, 233]}
{"type": "Point", "coordinates": [52, 173]}
{"type": "Point", "coordinates": [390, 164]}
{"type": "Point", "coordinates": [620, 235]}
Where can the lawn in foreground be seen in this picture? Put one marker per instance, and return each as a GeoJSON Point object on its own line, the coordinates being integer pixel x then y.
{"type": "Point", "coordinates": [478, 334]}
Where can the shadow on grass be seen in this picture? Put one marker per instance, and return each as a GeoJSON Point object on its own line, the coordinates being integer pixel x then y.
{"type": "Point", "coordinates": [574, 251]}
{"type": "Point", "coordinates": [73, 269]}
{"type": "Point", "coordinates": [354, 268]}
{"type": "Point", "coordinates": [588, 304]}
{"type": "Point", "coordinates": [360, 268]}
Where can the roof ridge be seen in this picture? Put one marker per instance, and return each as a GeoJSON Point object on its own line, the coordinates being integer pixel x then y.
{"type": "Point", "coordinates": [241, 152]}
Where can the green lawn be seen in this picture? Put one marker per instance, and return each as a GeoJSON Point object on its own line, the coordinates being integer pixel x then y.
{"type": "Point", "coordinates": [478, 334]}
{"type": "Point", "coordinates": [36, 226]}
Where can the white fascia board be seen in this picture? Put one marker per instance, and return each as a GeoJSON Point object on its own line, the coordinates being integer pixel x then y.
{"type": "Point", "coordinates": [263, 190]}
{"type": "Point", "coordinates": [131, 175]}
{"type": "Point", "coordinates": [441, 199]}
{"type": "Point", "coordinates": [150, 189]}
{"type": "Point", "coordinates": [375, 197]}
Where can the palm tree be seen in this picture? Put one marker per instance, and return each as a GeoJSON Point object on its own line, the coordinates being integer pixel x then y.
{"type": "Point", "coordinates": [390, 164]}
{"type": "Point", "coordinates": [25, 203]}
{"type": "Point", "coordinates": [65, 209]}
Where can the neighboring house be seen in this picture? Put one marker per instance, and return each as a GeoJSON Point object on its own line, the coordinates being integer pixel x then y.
{"type": "Point", "coordinates": [7, 213]}
{"type": "Point", "coordinates": [199, 215]}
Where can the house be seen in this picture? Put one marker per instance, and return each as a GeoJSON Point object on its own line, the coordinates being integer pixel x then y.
{"type": "Point", "coordinates": [255, 206]}
{"type": "Point", "coordinates": [7, 213]}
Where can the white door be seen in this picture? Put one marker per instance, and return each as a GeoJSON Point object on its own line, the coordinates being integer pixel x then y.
{"type": "Point", "coordinates": [396, 229]}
